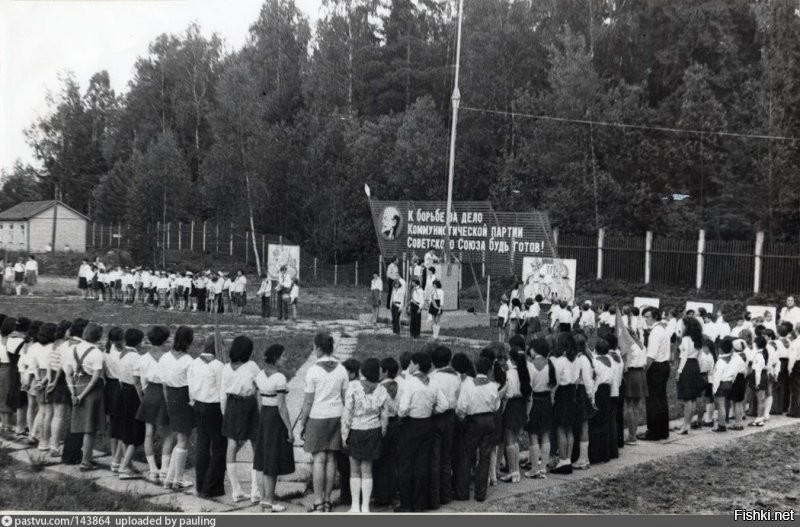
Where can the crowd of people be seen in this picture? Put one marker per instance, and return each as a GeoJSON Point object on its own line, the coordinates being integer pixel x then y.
{"type": "Point", "coordinates": [195, 291]}
{"type": "Point", "coordinates": [415, 431]}
{"type": "Point", "coordinates": [19, 275]}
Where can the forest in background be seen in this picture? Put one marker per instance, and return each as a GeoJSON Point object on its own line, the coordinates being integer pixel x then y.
{"type": "Point", "coordinates": [292, 125]}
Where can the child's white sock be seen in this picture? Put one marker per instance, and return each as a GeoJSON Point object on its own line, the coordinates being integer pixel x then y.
{"type": "Point", "coordinates": [170, 475]}
{"type": "Point", "coordinates": [236, 486]}
{"type": "Point", "coordinates": [151, 464]}
{"type": "Point", "coordinates": [179, 458]}
{"type": "Point", "coordinates": [366, 493]}
{"type": "Point", "coordinates": [256, 486]}
{"type": "Point", "coordinates": [584, 453]}
{"type": "Point", "coordinates": [355, 492]}
{"type": "Point", "coordinates": [165, 461]}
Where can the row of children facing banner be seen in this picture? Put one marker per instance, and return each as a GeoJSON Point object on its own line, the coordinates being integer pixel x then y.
{"type": "Point", "coordinates": [421, 428]}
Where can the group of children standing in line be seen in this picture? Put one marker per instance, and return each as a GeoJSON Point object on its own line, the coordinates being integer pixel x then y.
{"type": "Point", "coordinates": [205, 291]}
{"type": "Point", "coordinates": [62, 385]}
{"type": "Point", "coordinates": [417, 432]}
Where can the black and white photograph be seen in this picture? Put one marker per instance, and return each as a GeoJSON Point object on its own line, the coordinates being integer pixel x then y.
{"type": "Point", "coordinates": [394, 257]}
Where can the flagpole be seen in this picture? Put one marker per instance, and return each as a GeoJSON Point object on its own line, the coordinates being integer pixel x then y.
{"type": "Point", "coordinates": [456, 100]}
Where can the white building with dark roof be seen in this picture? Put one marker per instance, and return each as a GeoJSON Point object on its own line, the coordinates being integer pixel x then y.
{"type": "Point", "coordinates": [32, 226]}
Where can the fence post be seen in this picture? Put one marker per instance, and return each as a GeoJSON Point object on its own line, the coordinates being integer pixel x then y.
{"type": "Point", "coordinates": [555, 236]}
{"type": "Point", "coordinates": [648, 247]}
{"type": "Point", "coordinates": [246, 252]}
{"type": "Point", "coordinates": [315, 268]}
{"type": "Point", "coordinates": [159, 239]}
{"type": "Point", "coordinates": [335, 274]}
{"type": "Point", "coordinates": [230, 241]}
{"type": "Point", "coordinates": [169, 228]}
{"type": "Point", "coordinates": [757, 263]}
{"type": "Point", "coordinates": [119, 235]}
{"type": "Point", "coordinates": [356, 272]}
{"type": "Point", "coordinates": [94, 244]}
{"type": "Point", "coordinates": [101, 237]}
{"type": "Point", "coordinates": [180, 236]}
{"type": "Point", "coordinates": [701, 248]}
{"type": "Point", "coordinates": [216, 241]}
{"type": "Point", "coordinates": [191, 237]}
{"type": "Point", "coordinates": [263, 250]}
{"type": "Point", "coordinates": [601, 235]}
{"type": "Point", "coordinates": [488, 291]}
{"type": "Point", "coordinates": [204, 237]}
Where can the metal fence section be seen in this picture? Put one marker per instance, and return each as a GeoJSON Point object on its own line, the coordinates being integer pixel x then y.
{"type": "Point", "coordinates": [721, 265]}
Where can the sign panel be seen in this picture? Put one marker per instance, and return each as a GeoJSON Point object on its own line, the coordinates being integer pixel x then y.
{"type": "Point", "coordinates": [476, 231]}
{"type": "Point", "coordinates": [280, 255]}
{"type": "Point", "coordinates": [553, 278]}
{"type": "Point", "coordinates": [643, 301]}
{"type": "Point", "coordinates": [695, 306]}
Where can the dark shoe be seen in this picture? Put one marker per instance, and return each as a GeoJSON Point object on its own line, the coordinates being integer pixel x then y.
{"type": "Point", "coordinates": [647, 436]}
{"type": "Point", "coordinates": [708, 424]}
{"type": "Point", "coordinates": [563, 469]}
{"type": "Point", "coordinates": [719, 429]}
{"type": "Point", "coordinates": [696, 425]}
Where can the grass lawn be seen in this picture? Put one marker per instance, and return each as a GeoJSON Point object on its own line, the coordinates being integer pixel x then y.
{"type": "Point", "coordinates": [753, 472]}
{"type": "Point", "coordinates": [24, 489]}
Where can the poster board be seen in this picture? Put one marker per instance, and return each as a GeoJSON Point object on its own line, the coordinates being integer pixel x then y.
{"type": "Point", "coordinates": [643, 301]}
{"type": "Point", "coordinates": [695, 306]}
{"type": "Point", "coordinates": [553, 278]}
{"type": "Point", "coordinates": [280, 255]}
{"type": "Point", "coordinates": [761, 311]}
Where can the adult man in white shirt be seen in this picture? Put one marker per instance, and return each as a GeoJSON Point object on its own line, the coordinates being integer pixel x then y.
{"type": "Point", "coordinates": [657, 342]}
{"type": "Point", "coordinates": [392, 275]}
{"type": "Point", "coordinates": [790, 312]}
{"type": "Point", "coordinates": [397, 298]}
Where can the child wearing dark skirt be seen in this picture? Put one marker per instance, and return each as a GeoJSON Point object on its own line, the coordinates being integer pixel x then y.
{"type": "Point", "coordinates": [274, 451]}
{"type": "Point", "coordinates": [131, 395]}
{"type": "Point", "coordinates": [153, 408]}
{"type": "Point", "coordinates": [240, 412]}
{"type": "Point", "coordinates": [175, 366]}
{"type": "Point", "coordinates": [364, 423]}
{"type": "Point", "coordinates": [566, 411]}
{"type": "Point", "coordinates": [690, 379]}
{"type": "Point", "coordinates": [540, 419]}
{"type": "Point", "coordinates": [342, 458]}
{"type": "Point", "coordinates": [515, 414]}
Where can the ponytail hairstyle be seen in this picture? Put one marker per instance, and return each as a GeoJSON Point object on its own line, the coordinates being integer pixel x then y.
{"type": "Point", "coordinates": [712, 348]}
{"type": "Point", "coordinates": [693, 330]}
{"type": "Point", "coordinates": [115, 337]}
{"type": "Point", "coordinates": [491, 352]}
{"type": "Point", "coordinates": [582, 347]}
{"type": "Point", "coordinates": [517, 354]}
{"type": "Point", "coordinates": [565, 345]}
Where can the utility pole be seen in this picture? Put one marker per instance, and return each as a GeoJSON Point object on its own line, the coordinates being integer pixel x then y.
{"type": "Point", "coordinates": [456, 100]}
{"type": "Point", "coordinates": [57, 196]}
